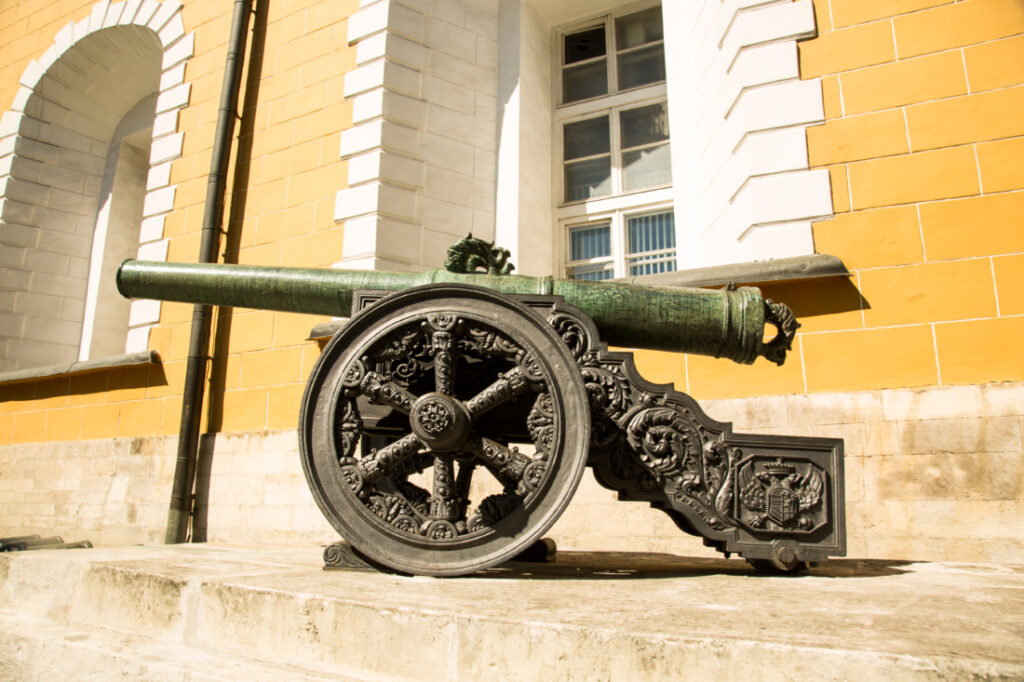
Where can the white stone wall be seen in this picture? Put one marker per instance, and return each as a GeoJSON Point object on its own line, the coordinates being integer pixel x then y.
{"type": "Point", "coordinates": [250, 488]}
{"type": "Point", "coordinates": [115, 236]}
{"type": "Point", "coordinates": [256, 491]}
{"type": "Point", "coordinates": [421, 151]}
{"type": "Point", "coordinates": [525, 189]}
{"type": "Point", "coordinates": [111, 492]}
{"type": "Point", "coordinates": [53, 149]}
{"type": "Point", "coordinates": [931, 474]}
{"type": "Point", "coordinates": [454, 130]}
{"type": "Point", "coordinates": [738, 111]}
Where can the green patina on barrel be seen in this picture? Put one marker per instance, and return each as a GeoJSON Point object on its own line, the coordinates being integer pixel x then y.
{"type": "Point", "coordinates": [718, 323]}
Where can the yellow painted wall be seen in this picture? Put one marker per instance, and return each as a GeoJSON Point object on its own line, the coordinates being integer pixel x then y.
{"type": "Point", "coordinates": [924, 130]}
{"type": "Point", "coordinates": [282, 183]}
{"type": "Point", "coordinates": [924, 141]}
{"type": "Point", "coordinates": [27, 28]}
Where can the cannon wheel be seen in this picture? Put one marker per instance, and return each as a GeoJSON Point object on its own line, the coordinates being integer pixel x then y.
{"type": "Point", "coordinates": [465, 376]}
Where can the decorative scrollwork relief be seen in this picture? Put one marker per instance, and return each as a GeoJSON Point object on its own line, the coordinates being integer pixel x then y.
{"type": "Point", "coordinates": [643, 443]}
{"type": "Point", "coordinates": [492, 509]}
{"type": "Point", "coordinates": [471, 254]}
{"type": "Point", "coordinates": [574, 335]}
{"type": "Point", "coordinates": [486, 342]}
{"type": "Point", "coordinates": [540, 423]}
{"type": "Point", "coordinates": [669, 445]}
{"type": "Point", "coordinates": [610, 392]}
{"type": "Point", "coordinates": [378, 388]}
{"type": "Point", "coordinates": [785, 322]}
{"type": "Point", "coordinates": [348, 427]}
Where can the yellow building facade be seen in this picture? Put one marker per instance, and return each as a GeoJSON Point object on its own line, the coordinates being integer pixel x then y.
{"type": "Point", "coordinates": [374, 134]}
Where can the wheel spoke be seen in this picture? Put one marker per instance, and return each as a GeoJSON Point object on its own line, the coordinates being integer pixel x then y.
{"type": "Point", "coordinates": [509, 385]}
{"type": "Point", "coordinates": [444, 362]}
{"type": "Point", "coordinates": [377, 465]}
{"type": "Point", "coordinates": [444, 329]}
{"type": "Point", "coordinates": [380, 389]}
{"type": "Point", "coordinates": [462, 483]}
{"type": "Point", "coordinates": [506, 465]}
{"type": "Point", "coordinates": [444, 503]}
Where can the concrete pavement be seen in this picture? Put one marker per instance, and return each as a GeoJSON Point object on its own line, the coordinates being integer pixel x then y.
{"type": "Point", "coordinates": [224, 612]}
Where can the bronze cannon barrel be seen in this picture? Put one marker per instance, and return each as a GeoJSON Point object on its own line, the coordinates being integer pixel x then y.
{"type": "Point", "coordinates": [719, 323]}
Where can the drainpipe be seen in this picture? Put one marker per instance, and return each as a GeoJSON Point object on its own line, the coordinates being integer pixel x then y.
{"type": "Point", "coordinates": [180, 512]}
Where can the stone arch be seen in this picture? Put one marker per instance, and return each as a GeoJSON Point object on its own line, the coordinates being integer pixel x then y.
{"type": "Point", "coordinates": [85, 154]}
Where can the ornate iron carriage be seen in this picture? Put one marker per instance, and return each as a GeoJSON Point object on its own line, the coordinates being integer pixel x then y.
{"type": "Point", "coordinates": [446, 426]}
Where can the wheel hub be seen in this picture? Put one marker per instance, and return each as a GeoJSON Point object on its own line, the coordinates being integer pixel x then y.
{"type": "Point", "coordinates": [440, 422]}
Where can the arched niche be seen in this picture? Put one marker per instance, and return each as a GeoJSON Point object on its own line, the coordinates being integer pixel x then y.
{"type": "Point", "coordinates": [84, 167]}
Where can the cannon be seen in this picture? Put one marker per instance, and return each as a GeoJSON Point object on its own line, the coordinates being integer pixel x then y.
{"type": "Point", "coordinates": [445, 428]}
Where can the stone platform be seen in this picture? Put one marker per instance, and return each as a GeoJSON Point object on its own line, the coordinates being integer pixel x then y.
{"type": "Point", "coordinates": [262, 613]}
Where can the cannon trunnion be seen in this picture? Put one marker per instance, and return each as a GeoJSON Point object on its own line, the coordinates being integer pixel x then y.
{"type": "Point", "coordinates": [446, 427]}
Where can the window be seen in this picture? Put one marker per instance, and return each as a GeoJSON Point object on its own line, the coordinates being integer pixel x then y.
{"type": "Point", "coordinates": [648, 245]}
{"type": "Point", "coordinates": [594, 167]}
{"type": "Point", "coordinates": [613, 131]}
{"type": "Point", "coordinates": [637, 42]}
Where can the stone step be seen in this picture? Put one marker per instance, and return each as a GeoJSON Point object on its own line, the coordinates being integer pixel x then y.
{"type": "Point", "coordinates": [37, 649]}
{"type": "Point", "coordinates": [219, 612]}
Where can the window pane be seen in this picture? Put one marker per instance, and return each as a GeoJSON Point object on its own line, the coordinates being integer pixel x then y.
{"type": "Point", "coordinates": [590, 242]}
{"type": "Point", "coordinates": [585, 81]}
{"type": "Point", "coordinates": [651, 232]}
{"type": "Point", "coordinates": [652, 243]}
{"type": "Point", "coordinates": [586, 138]}
{"type": "Point", "coordinates": [650, 265]}
{"type": "Point", "coordinates": [587, 243]}
{"type": "Point", "coordinates": [637, 29]}
{"type": "Point", "coordinates": [584, 45]}
{"type": "Point", "coordinates": [587, 179]}
{"type": "Point", "coordinates": [646, 168]}
{"type": "Point", "coordinates": [644, 125]}
{"type": "Point", "coordinates": [643, 66]}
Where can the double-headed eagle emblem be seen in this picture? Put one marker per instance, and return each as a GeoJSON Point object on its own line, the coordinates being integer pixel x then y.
{"type": "Point", "coordinates": [779, 497]}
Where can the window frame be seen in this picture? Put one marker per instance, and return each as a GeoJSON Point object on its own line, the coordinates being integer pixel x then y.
{"type": "Point", "coordinates": [618, 220]}
{"type": "Point", "coordinates": [613, 112]}
{"type": "Point", "coordinates": [620, 204]}
{"type": "Point", "coordinates": [611, 53]}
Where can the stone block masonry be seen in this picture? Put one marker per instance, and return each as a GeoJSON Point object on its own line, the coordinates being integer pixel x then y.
{"type": "Point", "coordinates": [932, 474]}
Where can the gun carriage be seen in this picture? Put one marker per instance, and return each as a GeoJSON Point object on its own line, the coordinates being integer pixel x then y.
{"type": "Point", "coordinates": [446, 426]}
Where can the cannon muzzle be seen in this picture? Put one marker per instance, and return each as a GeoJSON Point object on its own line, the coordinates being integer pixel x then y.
{"type": "Point", "coordinates": [719, 323]}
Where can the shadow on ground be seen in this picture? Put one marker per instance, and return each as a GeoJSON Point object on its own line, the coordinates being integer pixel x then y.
{"type": "Point", "coordinates": [641, 565]}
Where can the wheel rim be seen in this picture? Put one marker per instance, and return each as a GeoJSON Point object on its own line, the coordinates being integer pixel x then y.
{"type": "Point", "coordinates": [462, 373]}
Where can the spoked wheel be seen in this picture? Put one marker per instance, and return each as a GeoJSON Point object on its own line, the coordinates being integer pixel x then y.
{"type": "Point", "coordinates": [476, 392]}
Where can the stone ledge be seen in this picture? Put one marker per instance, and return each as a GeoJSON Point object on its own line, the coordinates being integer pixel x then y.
{"type": "Point", "coordinates": [589, 615]}
{"type": "Point", "coordinates": [755, 272]}
{"type": "Point", "coordinates": [39, 648]}
{"type": "Point", "coordinates": [146, 357]}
